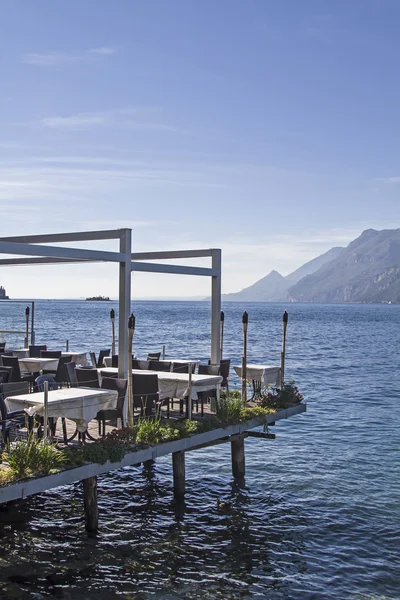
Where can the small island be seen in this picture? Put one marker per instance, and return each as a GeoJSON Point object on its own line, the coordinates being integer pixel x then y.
{"type": "Point", "coordinates": [98, 298]}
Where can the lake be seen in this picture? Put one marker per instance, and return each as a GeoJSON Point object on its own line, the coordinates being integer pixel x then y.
{"type": "Point", "coordinates": [320, 514]}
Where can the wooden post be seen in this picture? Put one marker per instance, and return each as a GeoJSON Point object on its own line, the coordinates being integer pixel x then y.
{"type": "Point", "coordinates": [178, 467]}
{"type": "Point", "coordinates": [163, 352]}
{"type": "Point", "coordinates": [45, 405]}
{"type": "Point", "coordinates": [66, 345]}
{"type": "Point", "coordinates": [26, 327]}
{"type": "Point", "coordinates": [90, 504]}
{"type": "Point", "coordinates": [222, 333]}
{"type": "Point", "coordinates": [283, 353]}
{"type": "Point", "coordinates": [238, 462]}
{"type": "Point", "coordinates": [112, 317]}
{"type": "Point", "coordinates": [189, 406]}
{"type": "Point", "coordinates": [245, 321]}
{"type": "Point", "coordinates": [131, 328]}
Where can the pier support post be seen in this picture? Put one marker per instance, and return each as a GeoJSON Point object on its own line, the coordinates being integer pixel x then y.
{"type": "Point", "coordinates": [238, 462]}
{"type": "Point", "coordinates": [90, 504]}
{"type": "Point", "coordinates": [178, 467]}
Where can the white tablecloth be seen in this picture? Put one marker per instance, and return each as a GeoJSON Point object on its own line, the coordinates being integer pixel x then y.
{"type": "Point", "coordinates": [265, 373]}
{"type": "Point", "coordinates": [175, 385]}
{"type": "Point", "coordinates": [34, 365]}
{"type": "Point", "coordinates": [80, 405]}
{"type": "Point", "coordinates": [80, 358]}
{"type": "Point", "coordinates": [108, 361]}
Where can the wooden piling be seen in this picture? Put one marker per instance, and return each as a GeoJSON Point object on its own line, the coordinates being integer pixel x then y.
{"type": "Point", "coordinates": [178, 467]}
{"type": "Point", "coordinates": [238, 461]}
{"type": "Point", "coordinates": [90, 504]}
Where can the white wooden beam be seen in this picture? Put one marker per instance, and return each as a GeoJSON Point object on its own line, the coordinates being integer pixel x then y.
{"type": "Point", "coordinates": [177, 269]}
{"type": "Point", "coordinates": [79, 236]}
{"type": "Point", "coordinates": [59, 252]}
{"type": "Point", "coordinates": [39, 261]}
{"type": "Point", "coordinates": [124, 304]}
{"type": "Point", "coordinates": [171, 254]}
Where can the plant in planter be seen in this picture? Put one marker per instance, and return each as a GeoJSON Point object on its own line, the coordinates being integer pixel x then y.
{"type": "Point", "coordinates": [30, 456]}
{"type": "Point", "coordinates": [283, 397]}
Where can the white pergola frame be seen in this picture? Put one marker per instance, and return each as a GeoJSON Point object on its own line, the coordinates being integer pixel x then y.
{"type": "Point", "coordinates": [32, 252]}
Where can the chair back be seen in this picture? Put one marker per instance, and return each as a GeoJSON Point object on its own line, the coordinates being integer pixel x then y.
{"type": "Point", "coordinates": [50, 353]}
{"type": "Point", "coordinates": [224, 371]}
{"type": "Point", "coordinates": [119, 385]}
{"type": "Point", "coordinates": [70, 373]}
{"type": "Point", "coordinates": [154, 356]}
{"type": "Point", "coordinates": [107, 375]}
{"type": "Point", "coordinates": [178, 367]}
{"type": "Point", "coordinates": [102, 355]}
{"type": "Point", "coordinates": [159, 365]}
{"type": "Point", "coordinates": [15, 388]}
{"type": "Point", "coordinates": [39, 381]}
{"type": "Point", "coordinates": [209, 370]}
{"type": "Point", "coordinates": [140, 364]}
{"type": "Point", "coordinates": [5, 374]}
{"type": "Point", "coordinates": [114, 360]}
{"type": "Point", "coordinates": [87, 378]}
{"type": "Point", "coordinates": [93, 359]}
{"type": "Point", "coordinates": [61, 374]}
{"type": "Point", "coordinates": [2, 347]}
{"type": "Point", "coordinates": [34, 351]}
{"type": "Point", "coordinates": [144, 390]}
{"type": "Point", "coordinates": [12, 361]}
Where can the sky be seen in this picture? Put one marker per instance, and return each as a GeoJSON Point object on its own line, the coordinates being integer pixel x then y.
{"type": "Point", "coordinates": [267, 129]}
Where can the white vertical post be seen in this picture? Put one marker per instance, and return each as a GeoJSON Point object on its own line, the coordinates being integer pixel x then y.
{"type": "Point", "coordinates": [45, 404]}
{"type": "Point", "coordinates": [163, 352]}
{"type": "Point", "coordinates": [216, 308]}
{"type": "Point", "coordinates": [124, 302]}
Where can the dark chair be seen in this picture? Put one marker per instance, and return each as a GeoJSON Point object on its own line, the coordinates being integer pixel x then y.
{"type": "Point", "coordinates": [145, 393]}
{"type": "Point", "coordinates": [207, 394]}
{"type": "Point", "coordinates": [39, 382]}
{"type": "Point", "coordinates": [34, 351]}
{"type": "Point", "coordinates": [13, 420]}
{"type": "Point", "coordinates": [159, 365]}
{"type": "Point", "coordinates": [120, 385]}
{"type": "Point", "coordinates": [87, 378]}
{"type": "Point", "coordinates": [12, 361]}
{"type": "Point", "coordinates": [102, 356]}
{"type": "Point", "coordinates": [154, 356]}
{"type": "Point", "coordinates": [114, 360]}
{"type": "Point", "coordinates": [142, 365]}
{"type": "Point", "coordinates": [50, 354]}
{"type": "Point", "coordinates": [72, 379]}
{"type": "Point", "coordinates": [5, 354]}
{"type": "Point", "coordinates": [60, 375]}
{"type": "Point", "coordinates": [225, 365]}
{"type": "Point", "coordinates": [2, 347]}
{"type": "Point", "coordinates": [178, 367]}
{"type": "Point", "coordinates": [5, 374]}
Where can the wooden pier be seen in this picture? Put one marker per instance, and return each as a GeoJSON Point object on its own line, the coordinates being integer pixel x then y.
{"type": "Point", "coordinates": [235, 434]}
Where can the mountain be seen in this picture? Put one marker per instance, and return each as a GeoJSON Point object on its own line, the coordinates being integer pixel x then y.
{"type": "Point", "coordinates": [274, 287]}
{"type": "Point", "coordinates": [368, 270]}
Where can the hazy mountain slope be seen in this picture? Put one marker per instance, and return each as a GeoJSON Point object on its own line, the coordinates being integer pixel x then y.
{"type": "Point", "coordinates": [274, 287]}
{"type": "Point", "coordinates": [368, 270]}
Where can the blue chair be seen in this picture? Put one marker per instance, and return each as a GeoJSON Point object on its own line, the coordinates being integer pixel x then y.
{"type": "Point", "coordinates": [39, 381]}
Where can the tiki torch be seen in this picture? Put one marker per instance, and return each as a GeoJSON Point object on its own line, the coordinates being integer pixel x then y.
{"type": "Point", "coordinates": [245, 322]}
{"type": "Point", "coordinates": [222, 332]}
{"type": "Point", "coordinates": [27, 327]}
{"type": "Point", "coordinates": [112, 317]}
{"type": "Point", "coordinates": [131, 329]}
{"type": "Point", "coordinates": [284, 324]}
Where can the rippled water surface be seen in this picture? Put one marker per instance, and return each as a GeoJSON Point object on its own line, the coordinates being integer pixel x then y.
{"type": "Point", "coordinates": [319, 516]}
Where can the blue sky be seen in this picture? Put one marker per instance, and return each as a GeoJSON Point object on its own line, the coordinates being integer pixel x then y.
{"type": "Point", "coordinates": [269, 129]}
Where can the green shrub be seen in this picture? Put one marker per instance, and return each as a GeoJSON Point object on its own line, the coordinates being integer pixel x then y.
{"type": "Point", "coordinates": [30, 456]}
{"type": "Point", "coordinates": [229, 408]}
{"type": "Point", "coordinates": [280, 398]}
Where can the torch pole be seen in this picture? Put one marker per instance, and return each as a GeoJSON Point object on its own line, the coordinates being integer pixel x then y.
{"type": "Point", "coordinates": [131, 329]}
{"type": "Point", "coordinates": [66, 345]}
{"type": "Point", "coordinates": [222, 332]}
{"type": "Point", "coordinates": [245, 321]}
{"type": "Point", "coordinates": [112, 317]}
{"type": "Point", "coordinates": [283, 353]}
{"type": "Point", "coordinates": [45, 405]}
{"type": "Point", "coordinates": [26, 327]}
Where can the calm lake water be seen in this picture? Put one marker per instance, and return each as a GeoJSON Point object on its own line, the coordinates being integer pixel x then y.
{"type": "Point", "coordinates": [320, 515]}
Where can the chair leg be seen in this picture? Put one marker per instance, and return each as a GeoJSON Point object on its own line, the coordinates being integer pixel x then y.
{"type": "Point", "coordinates": [99, 424]}
{"type": "Point", "coordinates": [167, 408]}
{"type": "Point", "coordinates": [202, 406]}
{"type": "Point", "coordinates": [104, 428]}
{"type": "Point", "coordinates": [64, 429]}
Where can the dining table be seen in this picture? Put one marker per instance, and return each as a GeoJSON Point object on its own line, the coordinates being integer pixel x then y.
{"type": "Point", "coordinates": [176, 385]}
{"type": "Point", "coordinates": [260, 375]}
{"type": "Point", "coordinates": [35, 365]}
{"type": "Point", "coordinates": [175, 362]}
{"type": "Point", "coordinates": [78, 357]}
{"type": "Point", "coordinates": [80, 404]}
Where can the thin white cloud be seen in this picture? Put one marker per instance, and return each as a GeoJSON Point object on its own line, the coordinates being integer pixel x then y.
{"type": "Point", "coordinates": [56, 59]}
{"type": "Point", "coordinates": [74, 121]}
